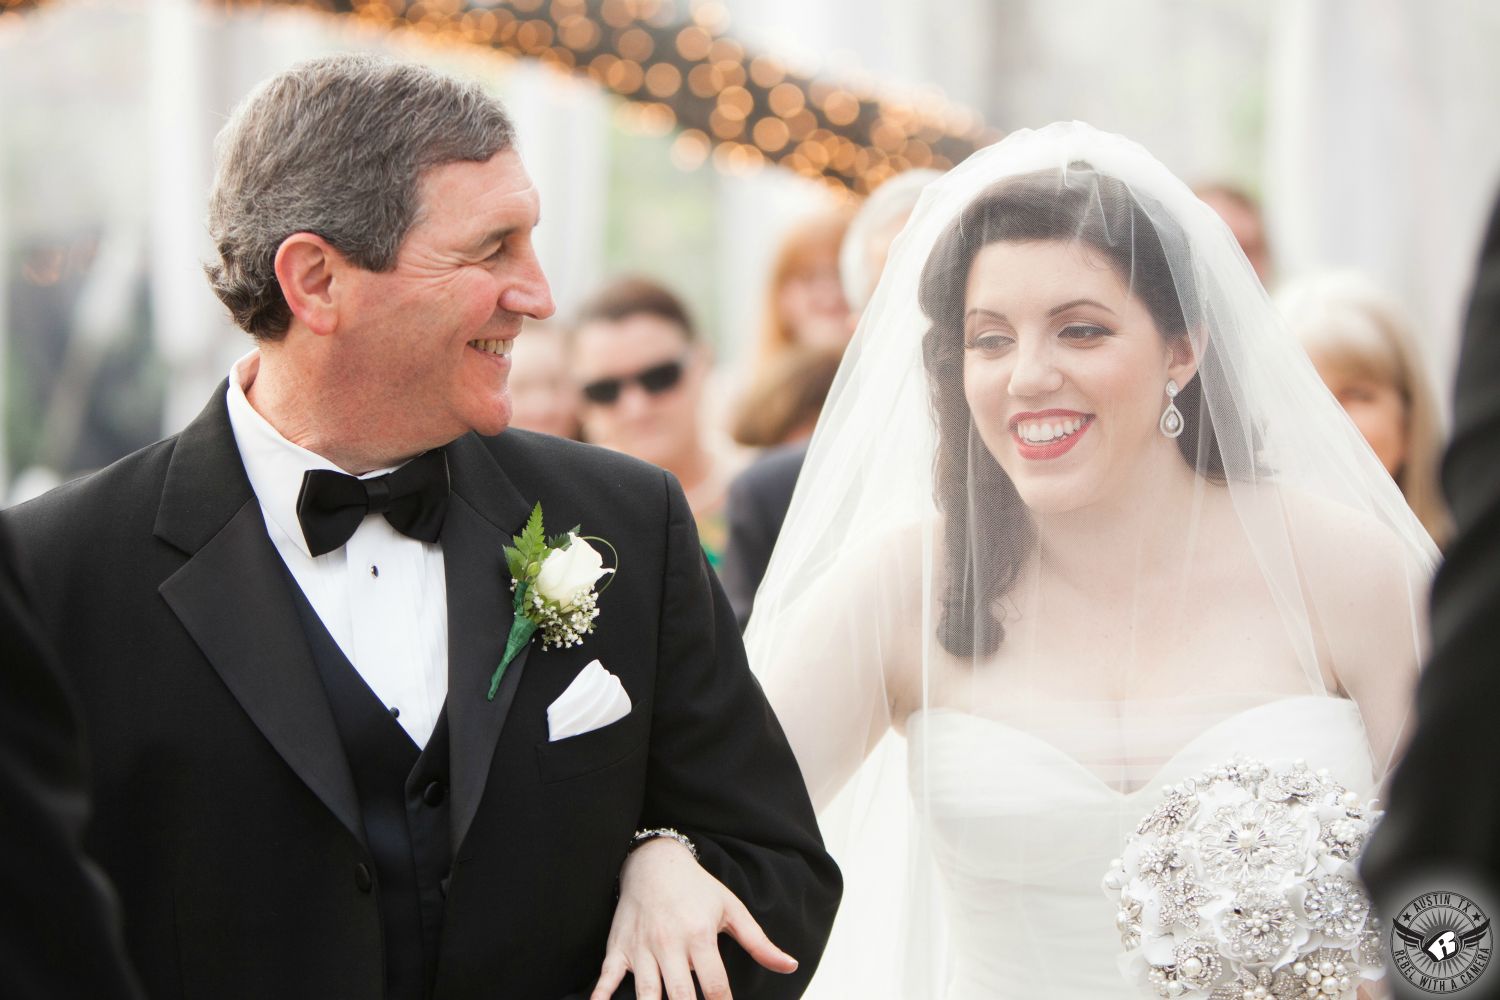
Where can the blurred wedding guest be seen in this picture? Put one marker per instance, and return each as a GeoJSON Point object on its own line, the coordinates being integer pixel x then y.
{"type": "Point", "coordinates": [543, 395]}
{"type": "Point", "coordinates": [805, 302]}
{"type": "Point", "coordinates": [1362, 345]}
{"type": "Point", "coordinates": [1441, 830]}
{"type": "Point", "coordinates": [59, 924]}
{"type": "Point", "coordinates": [871, 233]}
{"type": "Point", "coordinates": [782, 404]}
{"type": "Point", "coordinates": [778, 414]}
{"type": "Point", "coordinates": [1241, 212]}
{"type": "Point", "coordinates": [640, 366]}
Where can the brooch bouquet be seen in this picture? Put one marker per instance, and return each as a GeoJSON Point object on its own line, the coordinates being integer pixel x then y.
{"type": "Point", "coordinates": [553, 580]}
{"type": "Point", "coordinates": [1241, 885]}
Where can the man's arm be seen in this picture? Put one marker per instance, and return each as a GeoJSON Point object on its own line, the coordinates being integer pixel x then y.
{"type": "Point", "coordinates": [59, 927]}
{"type": "Point", "coordinates": [721, 772]}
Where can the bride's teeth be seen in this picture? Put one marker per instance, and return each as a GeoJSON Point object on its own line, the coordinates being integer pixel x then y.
{"type": "Point", "coordinates": [1043, 433]}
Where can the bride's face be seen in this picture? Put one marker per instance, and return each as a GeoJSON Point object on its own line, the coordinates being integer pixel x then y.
{"type": "Point", "coordinates": [1065, 373]}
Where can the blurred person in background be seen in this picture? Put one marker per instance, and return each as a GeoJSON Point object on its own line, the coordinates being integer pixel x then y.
{"type": "Point", "coordinates": [781, 407]}
{"type": "Point", "coordinates": [640, 366]}
{"type": "Point", "coordinates": [872, 231]}
{"type": "Point", "coordinates": [543, 395]}
{"type": "Point", "coordinates": [805, 302]}
{"type": "Point", "coordinates": [778, 414]}
{"type": "Point", "coordinates": [1361, 342]}
{"type": "Point", "coordinates": [1241, 213]}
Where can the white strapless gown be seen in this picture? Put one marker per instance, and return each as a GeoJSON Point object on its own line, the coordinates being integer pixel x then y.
{"type": "Point", "coordinates": [1022, 831]}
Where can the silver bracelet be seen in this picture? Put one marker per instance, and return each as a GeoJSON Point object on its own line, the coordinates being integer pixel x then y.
{"type": "Point", "coordinates": [641, 836]}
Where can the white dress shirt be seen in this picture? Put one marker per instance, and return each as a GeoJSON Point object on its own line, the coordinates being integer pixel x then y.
{"type": "Point", "coordinates": [382, 596]}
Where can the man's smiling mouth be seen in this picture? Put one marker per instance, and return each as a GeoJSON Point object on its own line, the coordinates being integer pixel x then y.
{"type": "Point", "coordinates": [500, 347]}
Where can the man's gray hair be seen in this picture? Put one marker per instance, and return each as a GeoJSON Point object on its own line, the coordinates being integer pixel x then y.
{"type": "Point", "coordinates": [337, 147]}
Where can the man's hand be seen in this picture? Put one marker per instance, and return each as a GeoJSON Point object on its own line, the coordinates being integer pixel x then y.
{"type": "Point", "coordinates": [667, 927]}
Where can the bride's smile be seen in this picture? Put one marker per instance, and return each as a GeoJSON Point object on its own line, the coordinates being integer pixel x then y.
{"type": "Point", "coordinates": [1048, 434]}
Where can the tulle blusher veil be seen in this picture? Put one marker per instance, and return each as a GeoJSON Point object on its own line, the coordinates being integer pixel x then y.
{"type": "Point", "coordinates": [1268, 596]}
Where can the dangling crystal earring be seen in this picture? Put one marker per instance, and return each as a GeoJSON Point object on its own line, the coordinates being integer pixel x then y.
{"type": "Point", "coordinates": [1171, 422]}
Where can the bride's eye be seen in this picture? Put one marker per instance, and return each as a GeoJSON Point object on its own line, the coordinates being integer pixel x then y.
{"type": "Point", "coordinates": [988, 343]}
{"type": "Point", "coordinates": [1083, 331]}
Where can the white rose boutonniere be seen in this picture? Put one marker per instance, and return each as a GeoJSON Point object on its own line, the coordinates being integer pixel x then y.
{"type": "Point", "coordinates": [553, 582]}
{"type": "Point", "coordinates": [568, 574]}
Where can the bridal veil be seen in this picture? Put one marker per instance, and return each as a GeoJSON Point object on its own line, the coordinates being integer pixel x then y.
{"type": "Point", "coordinates": [1078, 520]}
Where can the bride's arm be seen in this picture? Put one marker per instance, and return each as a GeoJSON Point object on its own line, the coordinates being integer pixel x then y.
{"type": "Point", "coordinates": [836, 657]}
{"type": "Point", "coordinates": [1368, 592]}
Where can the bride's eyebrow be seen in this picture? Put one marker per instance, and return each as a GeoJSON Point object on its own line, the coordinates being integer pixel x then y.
{"type": "Point", "coordinates": [1079, 302]}
{"type": "Point", "coordinates": [986, 313]}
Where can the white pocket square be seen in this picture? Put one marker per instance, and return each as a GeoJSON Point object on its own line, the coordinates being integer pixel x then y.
{"type": "Point", "coordinates": [594, 700]}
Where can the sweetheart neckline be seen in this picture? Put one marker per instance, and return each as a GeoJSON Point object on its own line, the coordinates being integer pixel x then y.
{"type": "Point", "coordinates": [1166, 765]}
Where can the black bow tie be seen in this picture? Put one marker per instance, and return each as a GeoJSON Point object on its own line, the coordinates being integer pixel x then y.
{"type": "Point", "coordinates": [414, 499]}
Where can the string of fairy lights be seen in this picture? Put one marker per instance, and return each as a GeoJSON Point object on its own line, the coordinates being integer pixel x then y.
{"type": "Point", "coordinates": [685, 75]}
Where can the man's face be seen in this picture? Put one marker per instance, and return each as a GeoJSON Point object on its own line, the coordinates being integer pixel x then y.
{"type": "Point", "coordinates": [658, 426]}
{"type": "Point", "coordinates": [425, 345]}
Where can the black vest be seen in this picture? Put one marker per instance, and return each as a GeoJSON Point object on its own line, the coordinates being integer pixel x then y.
{"type": "Point", "coordinates": [403, 801]}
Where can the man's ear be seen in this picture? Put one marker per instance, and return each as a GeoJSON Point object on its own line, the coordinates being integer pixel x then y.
{"type": "Point", "coordinates": [309, 269]}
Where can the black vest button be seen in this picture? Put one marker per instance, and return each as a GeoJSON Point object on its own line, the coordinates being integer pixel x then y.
{"type": "Point", "coordinates": [433, 793]}
{"type": "Point", "coordinates": [362, 879]}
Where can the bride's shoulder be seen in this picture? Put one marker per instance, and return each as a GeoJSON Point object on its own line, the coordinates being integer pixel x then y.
{"type": "Point", "coordinates": [893, 554]}
{"type": "Point", "coordinates": [1339, 543]}
{"type": "Point", "coordinates": [1365, 579]}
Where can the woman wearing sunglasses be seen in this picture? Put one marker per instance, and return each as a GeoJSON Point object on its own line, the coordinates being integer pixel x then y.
{"type": "Point", "coordinates": [641, 368]}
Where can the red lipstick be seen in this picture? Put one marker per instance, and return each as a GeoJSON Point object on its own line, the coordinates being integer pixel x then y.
{"type": "Point", "coordinates": [1052, 449]}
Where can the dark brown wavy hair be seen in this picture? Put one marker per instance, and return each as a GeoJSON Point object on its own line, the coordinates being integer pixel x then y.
{"type": "Point", "coordinates": [986, 541]}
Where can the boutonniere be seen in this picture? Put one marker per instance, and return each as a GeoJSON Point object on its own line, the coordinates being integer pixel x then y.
{"type": "Point", "coordinates": [553, 582]}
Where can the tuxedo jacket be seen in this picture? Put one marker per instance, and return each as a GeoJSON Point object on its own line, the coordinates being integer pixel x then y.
{"type": "Point", "coordinates": [1443, 817]}
{"type": "Point", "coordinates": [224, 807]}
{"type": "Point", "coordinates": [59, 927]}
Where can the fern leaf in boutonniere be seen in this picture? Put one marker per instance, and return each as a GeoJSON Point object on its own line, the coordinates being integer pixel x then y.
{"type": "Point", "coordinates": [553, 580]}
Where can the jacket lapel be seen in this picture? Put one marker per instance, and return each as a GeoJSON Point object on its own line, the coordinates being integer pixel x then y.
{"type": "Point", "coordinates": [484, 511]}
{"type": "Point", "coordinates": [233, 597]}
